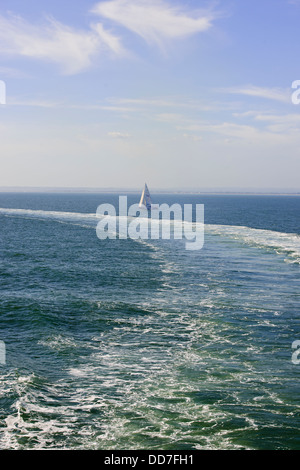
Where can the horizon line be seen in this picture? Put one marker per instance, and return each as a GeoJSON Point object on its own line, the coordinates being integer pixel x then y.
{"type": "Point", "coordinates": [174, 190]}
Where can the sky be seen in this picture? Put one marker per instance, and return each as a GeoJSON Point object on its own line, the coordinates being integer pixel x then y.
{"type": "Point", "coordinates": [178, 93]}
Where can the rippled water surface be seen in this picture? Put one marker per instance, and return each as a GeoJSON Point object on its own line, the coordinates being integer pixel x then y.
{"type": "Point", "coordinates": [142, 344]}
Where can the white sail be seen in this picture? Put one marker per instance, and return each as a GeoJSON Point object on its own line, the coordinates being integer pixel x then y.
{"type": "Point", "coordinates": [141, 204]}
{"type": "Point", "coordinates": [145, 201]}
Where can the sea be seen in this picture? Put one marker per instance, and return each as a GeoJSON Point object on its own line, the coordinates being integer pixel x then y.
{"type": "Point", "coordinates": [132, 344]}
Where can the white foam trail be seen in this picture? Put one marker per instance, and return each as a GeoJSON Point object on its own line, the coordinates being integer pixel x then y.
{"type": "Point", "coordinates": [281, 242]}
{"type": "Point", "coordinates": [54, 215]}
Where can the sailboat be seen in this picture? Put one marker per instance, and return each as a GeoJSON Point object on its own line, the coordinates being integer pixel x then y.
{"type": "Point", "coordinates": [145, 201]}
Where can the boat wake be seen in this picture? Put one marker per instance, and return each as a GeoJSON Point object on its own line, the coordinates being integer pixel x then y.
{"type": "Point", "coordinates": [280, 242]}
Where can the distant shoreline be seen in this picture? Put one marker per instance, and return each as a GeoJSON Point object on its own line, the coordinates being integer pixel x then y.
{"type": "Point", "coordinates": [207, 192]}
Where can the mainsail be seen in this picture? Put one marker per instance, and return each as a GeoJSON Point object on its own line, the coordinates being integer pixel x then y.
{"type": "Point", "coordinates": [145, 201]}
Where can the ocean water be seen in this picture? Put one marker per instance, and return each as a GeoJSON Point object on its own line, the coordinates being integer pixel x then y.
{"type": "Point", "coordinates": [142, 344]}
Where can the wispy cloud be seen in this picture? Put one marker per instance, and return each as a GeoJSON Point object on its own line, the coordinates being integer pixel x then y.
{"type": "Point", "coordinates": [155, 20]}
{"type": "Point", "coordinates": [37, 103]}
{"type": "Point", "coordinates": [278, 123]}
{"type": "Point", "coordinates": [73, 50]}
{"type": "Point", "coordinates": [152, 102]}
{"type": "Point", "coordinates": [169, 117]}
{"type": "Point", "coordinates": [276, 94]}
{"type": "Point", "coordinates": [193, 137]}
{"type": "Point", "coordinates": [45, 103]}
{"type": "Point", "coordinates": [286, 123]}
{"type": "Point", "coordinates": [11, 72]}
{"type": "Point", "coordinates": [118, 135]}
{"type": "Point", "coordinates": [266, 128]}
{"type": "Point", "coordinates": [169, 102]}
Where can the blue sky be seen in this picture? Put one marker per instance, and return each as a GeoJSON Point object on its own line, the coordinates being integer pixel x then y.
{"type": "Point", "coordinates": [181, 94]}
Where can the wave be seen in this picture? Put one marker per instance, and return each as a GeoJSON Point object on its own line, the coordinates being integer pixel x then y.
{"type": "Point", "coordinates": [281, 242]}
{"type": "Point", "coordinates": [52, 215]}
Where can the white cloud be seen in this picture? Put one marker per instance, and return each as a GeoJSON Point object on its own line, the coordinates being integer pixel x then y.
{"type": "Point", "coordinates": [284, 118]}
{"type": "Point", "coordinates": [109, 40]}
{"type": "Point", "coordinates": [284, 124]}
{"type": "Point", "coordinates": [11, 72]}
{"type": "Point", "coordinates": [39, 103]}
{"type": "Point", "coordinates": [45, 103]}
{"type": "Point", "coordinates": [243, 133]}
{"type": "Point", "coordinates": [71, 49]}
{"type": "Point", "coordinates": [195, 138]}
{"type": "Point", "coordinates": [276, 94]}
{"type": "Point", "coordinates": [277, 123]}
{"type": "Point", "coordinates": [75, 49]}
{"type": "Point", "coordinates": [119, 135]}
{"type": "Point", "coordinates": [145, 102]}
{"type": "Point", "coordinates": [169, 117]}
{"type": "Point", "coordinates": [154, 20]}
{"type": "Point", "coordinates": [178, 102]}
